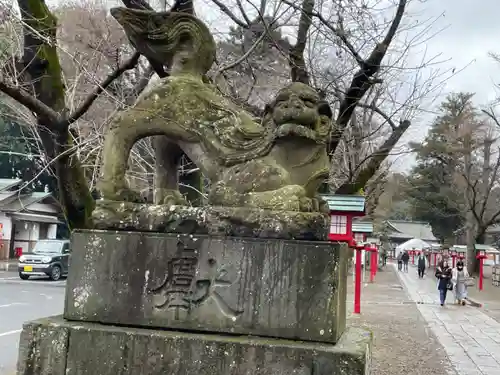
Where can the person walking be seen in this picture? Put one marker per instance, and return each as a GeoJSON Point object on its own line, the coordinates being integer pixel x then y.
{"type": "Point", "coordinates": [405, 258]}
{"type": "Point", "coordinates": [421, 263]}
{"type": "Point", "coordinates": [444, 274]}
{"type": "Point", "coordinates": [400, 261]}
{"type": "Point", "coordinates": [459, 277]}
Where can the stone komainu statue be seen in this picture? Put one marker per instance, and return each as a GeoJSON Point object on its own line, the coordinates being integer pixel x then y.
{"type": "Point", "coordinates": [277, 164]}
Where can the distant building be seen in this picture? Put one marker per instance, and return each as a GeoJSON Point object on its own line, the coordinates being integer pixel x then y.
{"type": "Point", "coordinates": [492, 236]}
{"type": "Point", "coordinates": [25, 218]}
{"type": "Point", "coordinates": [400, 231]}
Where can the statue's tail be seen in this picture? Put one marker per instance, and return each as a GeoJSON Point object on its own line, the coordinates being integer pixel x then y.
{"type": "Point", "coordinates": [160, 35]}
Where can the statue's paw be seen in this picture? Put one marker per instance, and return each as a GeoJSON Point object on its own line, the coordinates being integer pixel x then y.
{"type": "Point", "coordinates": [288, 198]}
{"type": "Point", "coordinates": [307, 204]}
{"type": "Point", "coordinates": [174, 201]}
{"type": "Point", "coordinates": [170, 198]}
{"type": "Point", "coordinates": [113, 190]}
{"type": "Point", "coordinates": [317, 204]}
{"type": "Point", "coordinates": [129, 195]}
{"type": "Point", "coordinates": [323, 205]}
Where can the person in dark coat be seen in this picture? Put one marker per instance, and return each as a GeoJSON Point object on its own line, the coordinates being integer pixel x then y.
{"type": "Point", "coordinates": [443, 274]}
{"type": "Point", "coordinates": [405, 258]}
{"type": "Point", "coordinates": [421, 265]}
{"type": "Point", "coordinates": [400, 261]}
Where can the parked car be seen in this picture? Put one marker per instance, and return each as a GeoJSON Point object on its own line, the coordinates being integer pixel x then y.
{"type": "Point", "coordinates": [48, 258]}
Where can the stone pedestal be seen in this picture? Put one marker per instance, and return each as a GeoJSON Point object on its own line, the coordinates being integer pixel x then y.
{"type": "Point", "coordinates": [275, 288]}
{"type": "Point", "coordinates": [57, 347]}
{"type": "Point", "coordinates": [152, 303]}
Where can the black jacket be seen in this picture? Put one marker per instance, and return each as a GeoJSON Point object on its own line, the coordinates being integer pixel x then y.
{"type": "Point", "coordinates": [405, 258]}
{"type": "Point", "coordinates": [444, 277]}
{"type": "Point", "coordinates": [421, 262]}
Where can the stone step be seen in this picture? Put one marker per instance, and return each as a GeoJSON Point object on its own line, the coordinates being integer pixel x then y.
{"type": "Point", "coordinates": [58, 347]}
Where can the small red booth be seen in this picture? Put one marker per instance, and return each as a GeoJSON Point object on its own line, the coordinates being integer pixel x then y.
{"type": "Point", "coordinates": [343, 209]}
{"type": "Point", "coordinates": [361, 229]}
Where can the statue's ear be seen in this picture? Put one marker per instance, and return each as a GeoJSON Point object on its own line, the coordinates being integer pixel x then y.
{"type": "Point", "coordinates": [267, 109]}
{"type": "Point", "coordinates": [183, 6]}
{"type": "Point", "coordinates": [324, 109]}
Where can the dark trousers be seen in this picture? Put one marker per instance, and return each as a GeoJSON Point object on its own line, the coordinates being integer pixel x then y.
{"type": "Point", "coordinates": [421, 272]}
{"type": "Point", "coordinates": [442, 295]}
{"type": "Point", "coordinates": [405, 266]}
{"type": "Point", "coordinates": [400, 265]}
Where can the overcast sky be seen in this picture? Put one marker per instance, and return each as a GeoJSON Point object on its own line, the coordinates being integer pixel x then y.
{"type": "Point", "coordinates": [470, 31]}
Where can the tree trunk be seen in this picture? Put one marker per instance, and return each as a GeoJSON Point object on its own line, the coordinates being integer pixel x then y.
{"type": "Point", "coordinates": [470, 230]}
{"type": "Point", "coordinates": [44, 70]}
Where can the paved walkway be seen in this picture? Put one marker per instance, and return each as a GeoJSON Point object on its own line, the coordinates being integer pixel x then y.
{"type": "Point", "coordinates": [470, 338]}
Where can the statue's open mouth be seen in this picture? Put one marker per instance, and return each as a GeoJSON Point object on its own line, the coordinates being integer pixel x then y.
{"type": "Point", "coordinates": [290, 125]}
{"type": "Point", "coordinates": [290, 129]}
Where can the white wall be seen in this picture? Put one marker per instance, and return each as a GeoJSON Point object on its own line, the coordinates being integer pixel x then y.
{"type": "Point", "coordinates": [25, 231]}
{"type": "Point", "coordinates": [6, 227]}
{"type": "Point", "coordinates": [52, 231]}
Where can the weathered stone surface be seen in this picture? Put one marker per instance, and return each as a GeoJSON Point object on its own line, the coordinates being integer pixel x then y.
{"type": "Point", "coordinates": [274, 288]}
{"type": "Point", "coordinates": [276, 163]}
{"type": "Point", "coordinates": [93, 349]}
{"type": "Point", "coordinates": [42, 349]}
{"type": "Point", "coordinates": [218, 221]}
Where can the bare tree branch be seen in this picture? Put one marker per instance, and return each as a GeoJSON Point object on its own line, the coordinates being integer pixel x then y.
{"type": "Point", "coordinates": [34, 105]}
{"type": "Point", "coordinates": [127, 65]}
{"type": "Point", "coordinates": [363, 79]}
{"type": "Point", "coordinates": [297, 62]}
{"type": "Point", "coordinates": [492, 116]}
{"type": "Point", "coordinates": [240, 59]}
{"type": "Point", "coordinates": [230, 14]}
{"type": "Point", "coordinates": [376, 160]}
{"type": "Point", "coordinates": [243, 13]}
{"type": "Point", "coordinates": [338, 32]}
{"type": "Point", "coordinates": [377, 110]}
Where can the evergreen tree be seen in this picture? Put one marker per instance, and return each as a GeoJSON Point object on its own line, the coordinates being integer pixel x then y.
{"type": "Point", "coordinates": [434, 187]}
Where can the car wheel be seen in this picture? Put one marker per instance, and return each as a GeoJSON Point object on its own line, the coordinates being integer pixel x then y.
{"type": "Point", "coordinates": [23, 276]}
{"type": "Point", "coordinates": [56, 273]}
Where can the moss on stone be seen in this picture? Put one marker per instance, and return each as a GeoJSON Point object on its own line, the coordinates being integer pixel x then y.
{"type": "Point", "coordinates": [226, 221]}
{"type": "Point", "coordinates": [74, 193]}
{"type": "Point", "coordinates": [105, 349]}
{"type": "Point", "coordinates": [44, 22]}
{"type": "Point", "coordinates": [276, 165]}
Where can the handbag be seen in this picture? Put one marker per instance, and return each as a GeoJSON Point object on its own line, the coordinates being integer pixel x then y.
{"type": "Point", "coordinates": [449, 286]}
{"type": "Point", "coordinates": [470, 282]}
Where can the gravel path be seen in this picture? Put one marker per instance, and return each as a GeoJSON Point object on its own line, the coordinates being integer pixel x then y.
{"type": "Point", "coordinates": [403, 344]}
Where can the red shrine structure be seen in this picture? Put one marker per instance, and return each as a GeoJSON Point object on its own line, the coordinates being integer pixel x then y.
{"type": "Point", "coordinates": [362, 230]}
{"type": "Point", "coordinates": [343, 209]}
